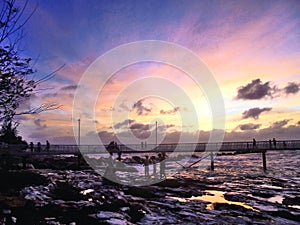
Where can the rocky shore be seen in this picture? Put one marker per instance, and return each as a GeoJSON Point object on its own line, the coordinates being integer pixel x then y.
{"type": "Point", "coordinates": [229, 195]}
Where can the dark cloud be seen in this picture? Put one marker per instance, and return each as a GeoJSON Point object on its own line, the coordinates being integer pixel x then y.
{"type": "Point", "coordinates": [139, 126]}
{"type": "Point", "coordinates": [140, 108]}
{"type": "Point", "coordinates": [256, 90]}
{"type": "Point", "coordinates": [69, 88]}
{"type": "Point", "coordinates": [298, 123]}
{"type": "Point", "coordinates": [168, 112]}
{"type": "Point", "coordinates": [141, 134]}
{"type": "Point", "coordinates": [123, 106]}
{"type": "Point", "coordinates": [123, 124]}
{"type": "Point", "coordinates": [292, 88]}
{"type": "Point", "coordinates": [254, 112]}
{"type": "Point", "coordinates": [50, 95]}
{"type": "Point", "coordinates": [249, 126]}
{"type": "Point", "coordinates": [38, 123]}
{"type": "Point", "coordinates": [279, 124]}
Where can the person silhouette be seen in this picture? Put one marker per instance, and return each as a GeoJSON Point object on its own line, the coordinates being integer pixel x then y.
{"type": "Point", "coordinates": [118, 151]}
{"type": "Point", "coordinates": [146, 165]}
{"type": "Point", "coordinates": [162, 170]}
{"type": "Point", "coordinates": [47, 146]}
{"type": "Point", "coordinates": [274, 142]}
{"type": "Point", "coordinates": [254, 143]}
{"type": "Point", "coordinates": [39, 146]}
{"type": "Point", "coordinates": [284, 145]}
{"type": "Point", "coordinates": [153, 161]}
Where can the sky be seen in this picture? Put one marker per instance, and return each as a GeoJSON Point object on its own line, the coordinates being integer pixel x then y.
{"type": "Point", "coordinates": [251, 48]}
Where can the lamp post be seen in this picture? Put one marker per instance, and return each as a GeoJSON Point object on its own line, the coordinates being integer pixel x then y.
{"type": "Point", "coordinates": [78, 133]}
{"type": "Point", "coordinates": [156, 134]}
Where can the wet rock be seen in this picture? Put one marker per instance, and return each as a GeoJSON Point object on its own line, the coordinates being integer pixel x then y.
{"type": "Point", "coordinates": [16, 180]}
{"type": "Point", "coordinates": [140, 192]}
{"type": "Point", "coordinates": [136, 212]}
{"type": "Point", "coordinates": [108, 215]}
{"type": "Point", "coordinates": [65, 191]}
{"type": "Point", "coordinates": [172, 183]}
{"type": "Point", "coordinates": [291, 201]}
{"type": "Point", "coordinates": [262, 194]}
{"type": "Point", "coordinates": [137, 159]}
{"type": "Point", "coordinates": [285, 214]}
{"type": "Point", "coordinates": [226, 206]}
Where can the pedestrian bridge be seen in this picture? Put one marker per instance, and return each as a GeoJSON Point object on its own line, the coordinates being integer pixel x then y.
{"type": "Point", "coordinates": [237, 147]}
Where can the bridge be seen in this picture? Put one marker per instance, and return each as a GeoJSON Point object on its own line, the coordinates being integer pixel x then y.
{"type": "Point", "coordinates": [238, 147]}
{"type": "Point", "coordinates": [210, 148]}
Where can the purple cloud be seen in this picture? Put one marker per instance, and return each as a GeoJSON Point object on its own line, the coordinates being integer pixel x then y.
{"type": "Point", "coordinates": [123, 124]}
{"type": "Point", "coordinates": [140, 108]}
{"type": "Point", "coordinates": [292, 88]}
{"type": "Point", "coordinates": [256, 90]}
{"type": "Point", "coordinates": [249, 126]}
{"type": "Point", "coordinates": [279, 124]}
{"type": "Point", "coordinates": [169, 112]}
{"type": "Point", "coordinates": [254, 112]}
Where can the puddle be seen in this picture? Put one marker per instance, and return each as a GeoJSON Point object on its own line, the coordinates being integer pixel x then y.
{"type": "Point", "coordinates": [270, 187]}
{"type": "Point", "coordinates": [87, 191]}
{"type": "Point", "coordinates": [276, 199]}
{"type": "Point", "coordinates": [213, 197]}
{"type": "Point", "coordinates": [294, 206]}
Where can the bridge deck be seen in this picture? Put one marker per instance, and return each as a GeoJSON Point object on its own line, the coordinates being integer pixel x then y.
{"type": "Point", "coordinates": [238, 147]}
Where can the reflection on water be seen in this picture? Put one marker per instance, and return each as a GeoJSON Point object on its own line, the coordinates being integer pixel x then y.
{"type": "Point", "coordinates": [276, 199]}
{"type": "Point", "coordinates": [87, 191]}
{"type": "Point", "coordinates": [213, 197]}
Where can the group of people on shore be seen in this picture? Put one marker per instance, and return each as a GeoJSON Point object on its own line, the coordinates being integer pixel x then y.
{"type": "Point", "coordinates": [113, 147]}
{"type": "Point", "coordinates": [154, 160]}
{"type": "Point", "coordinates": [38, 147]}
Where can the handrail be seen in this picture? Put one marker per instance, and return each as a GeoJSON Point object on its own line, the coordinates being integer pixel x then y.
{"type": "Point", "coordinates": [180, 147]}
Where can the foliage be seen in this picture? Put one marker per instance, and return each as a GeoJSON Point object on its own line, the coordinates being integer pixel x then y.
{"type": "Point", "coordinates": [16, 82]}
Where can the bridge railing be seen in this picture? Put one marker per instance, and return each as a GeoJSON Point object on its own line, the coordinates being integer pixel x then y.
{"type": "Point", "coordinates": [181, 147]}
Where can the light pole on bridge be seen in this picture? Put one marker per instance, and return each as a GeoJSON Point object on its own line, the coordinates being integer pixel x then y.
{"type": "Point", "coordinates": [78, 133]}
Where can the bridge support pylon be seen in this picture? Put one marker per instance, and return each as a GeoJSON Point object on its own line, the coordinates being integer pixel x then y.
{"type": "Point", "coordinates": [264, 160]}
{"type": "Point", "coordinates": [212, 166]}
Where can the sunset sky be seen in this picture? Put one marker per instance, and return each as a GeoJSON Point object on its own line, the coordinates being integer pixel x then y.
{"type": "Point", "coordinates": [252, 48]}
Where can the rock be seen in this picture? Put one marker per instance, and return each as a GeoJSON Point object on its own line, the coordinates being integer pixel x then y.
{"type": "Point", "coordinates": [137, 159]}
{"type": "Point", "coordinates": [291, 201]}
{"type": "Point", "coordinates": [285, 214]}
{"type": "Point", "coordinates": [226, 206]}
{"type": "Point", "coordinates": [140, 192]}
{"type": "Point", "coordinates": [262, 194]}
{"type": "Point", "coordinates": [114, 221]}
{"type": "Point", "coordinates": [172, 183]}
{"type": "Point", "coordinates": [108, 215]}
{"type": "Point", "coordinates": [136, 212]}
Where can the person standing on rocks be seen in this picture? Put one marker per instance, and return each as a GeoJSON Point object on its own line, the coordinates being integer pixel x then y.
{"type": "Point", "coordinates": [153, 161]}
{"type": "Point", "coordinates": [146, 165]}
{"type": "Point", "coordinates": [118, 151]}
{"type": "Point", "coordinates": [162, 170]}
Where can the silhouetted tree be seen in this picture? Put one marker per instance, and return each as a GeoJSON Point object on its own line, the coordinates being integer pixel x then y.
{"type": "Point", "coordinates": [16, 82]}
